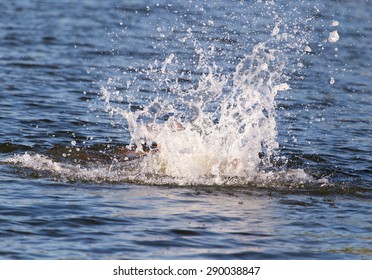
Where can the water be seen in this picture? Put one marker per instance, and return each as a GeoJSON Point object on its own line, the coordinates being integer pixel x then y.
{"type": "Point", "coordinates": [260, 111]}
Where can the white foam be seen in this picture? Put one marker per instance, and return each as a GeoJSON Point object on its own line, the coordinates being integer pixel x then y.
{"type": "Point", "coordinates": [57, 169]}
{"type": "Point", "coordinates": [129, 172]}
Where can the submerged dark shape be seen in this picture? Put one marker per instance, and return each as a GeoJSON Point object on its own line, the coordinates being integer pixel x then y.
{"type": "Point", "coordinates": [100, 153]}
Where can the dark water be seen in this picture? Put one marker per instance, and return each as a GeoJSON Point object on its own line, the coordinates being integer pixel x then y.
{"type": "Point", "coordinates": [55, 55]}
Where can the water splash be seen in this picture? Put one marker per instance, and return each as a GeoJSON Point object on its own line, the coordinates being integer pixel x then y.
{"type": "Point", "coordinates": [223, 127]}
{"type": "Point", "coordinates": [207, 101]}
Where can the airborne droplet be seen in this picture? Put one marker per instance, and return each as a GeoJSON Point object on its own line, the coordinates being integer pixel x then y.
{"type": "Point", "coordinates": [333, 37]}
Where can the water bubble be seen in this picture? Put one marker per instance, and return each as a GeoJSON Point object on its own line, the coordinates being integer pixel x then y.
{"type": "Point", "coordinates": [332, 81]}
{"type": "Point", "coordinates": [73, 142]}
{"type": "Point", "coordinates": [335, 23]}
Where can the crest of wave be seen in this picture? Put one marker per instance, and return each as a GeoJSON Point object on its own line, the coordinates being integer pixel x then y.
{"type": "Point", "coordinates": [220, 130]}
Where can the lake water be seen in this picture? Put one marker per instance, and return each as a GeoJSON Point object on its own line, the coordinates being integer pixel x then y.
{"type": "Point", "coordinates": [185, 129]}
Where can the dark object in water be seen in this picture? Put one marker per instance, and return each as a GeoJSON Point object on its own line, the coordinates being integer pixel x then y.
{"type": "Point", "coordinates": [100, 153]}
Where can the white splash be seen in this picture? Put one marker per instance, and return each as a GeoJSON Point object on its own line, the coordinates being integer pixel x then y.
{"type": "Point", "coordinates": [217, 128]}
{"type": "Point", "coordinates": [223, 128]}
{"type": "Point", "coordinates": [221, 132]}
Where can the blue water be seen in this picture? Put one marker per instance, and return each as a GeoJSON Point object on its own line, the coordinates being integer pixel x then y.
{"type": "Point", "coordinates": [56, 55]}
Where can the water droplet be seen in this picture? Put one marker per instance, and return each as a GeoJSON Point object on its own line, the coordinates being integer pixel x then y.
{"type": "Point", "coordinates": [333, 37]}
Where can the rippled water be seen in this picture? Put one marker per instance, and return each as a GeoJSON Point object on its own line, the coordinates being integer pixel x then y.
{"type": "Point", "coordinates": [80, 80]}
